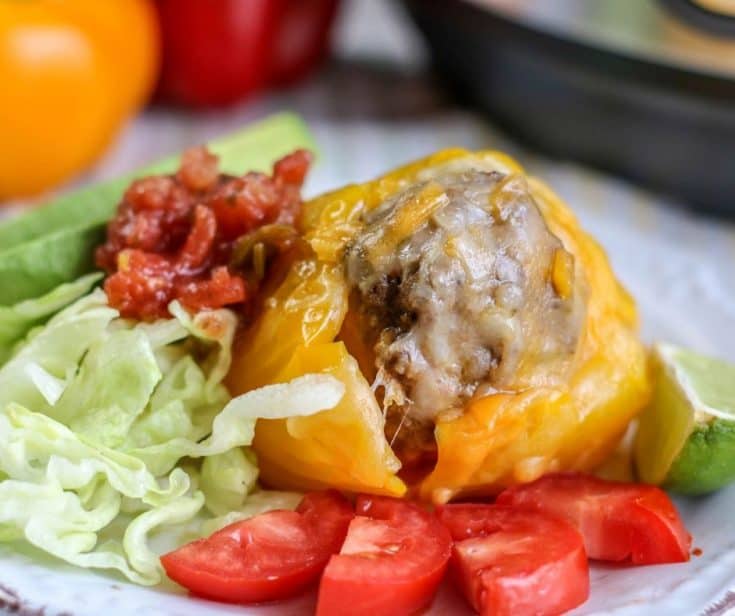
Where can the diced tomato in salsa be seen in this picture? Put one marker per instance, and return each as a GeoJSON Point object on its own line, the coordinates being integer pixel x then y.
{"type": "Point", "coordinates": [172, 237]}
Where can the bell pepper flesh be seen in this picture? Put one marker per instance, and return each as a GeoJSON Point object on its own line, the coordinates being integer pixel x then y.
{"type": "Point", "coordinates": [501, 439]}
{"type": "Point", "coordinates": [307, 309]}
{"type": "Point", "coordinates": [357, 458]}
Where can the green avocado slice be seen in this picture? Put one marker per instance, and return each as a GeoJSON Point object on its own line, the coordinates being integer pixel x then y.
{"type": "Point", "coordinates": [53, 244]}
{"type": "Point", "coordinates": [686, 436]}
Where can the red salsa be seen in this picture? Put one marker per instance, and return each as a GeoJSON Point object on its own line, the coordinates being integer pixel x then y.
{"type": "Point", "coordinates": [173, 235]}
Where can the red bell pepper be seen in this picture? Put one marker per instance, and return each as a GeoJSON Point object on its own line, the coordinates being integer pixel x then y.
{"type": "Point", "coordinates": [220, 51]}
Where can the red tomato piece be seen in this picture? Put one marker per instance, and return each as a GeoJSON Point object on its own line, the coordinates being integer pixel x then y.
{"type": "Point", "coordinates": [141, 285]}
{"type": "Point", "coordinates": [511, 562]}
{"type": "Point", "coordinates": [221, 289]}
{"type": "Point", "coordinates": [619, 521]}
{"type": "Point", "coordinates": [255, 199]}
{"type": "Point", "coordinates": [391, 563]}
{"type": "Point", "coordinates": [199, 242]}
{"type": "Point", "coordinates": [215, 52]}
{"type": "Point", "coordinates": [271, 556]}
{"type": "Point", "coordinates": [292, 168]}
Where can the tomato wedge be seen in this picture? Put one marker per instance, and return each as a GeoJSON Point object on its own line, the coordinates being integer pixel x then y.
{"type": "Point", "coordinates": [271, 556]}
{"type": "Point", "coordinates": [619, 521]}
{"type": "Point", "coordinates": [512, 562]}
{"type": "Point", "coordinates": [391, 563]}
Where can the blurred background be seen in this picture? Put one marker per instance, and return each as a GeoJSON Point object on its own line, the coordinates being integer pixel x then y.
{"type": "Point", "coordinates": [104, 87]}
{"type": "Point", "coordinates": [640, 88]}
{"type": "Point", "coordinates": [626, 107]}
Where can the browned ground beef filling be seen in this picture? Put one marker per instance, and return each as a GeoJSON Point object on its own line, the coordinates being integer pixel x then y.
{"type": "Point", "coordinates": [459, 288]}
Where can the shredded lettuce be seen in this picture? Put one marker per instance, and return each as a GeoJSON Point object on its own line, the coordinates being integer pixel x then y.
{"type": "Point", "coordinates": [227, 478]}
{"type": "Point", "coordinates": [112, 432]}
{"type": "Point", "coordinates": [17, 320]}
{"type": "Point", "coordinates": [55, 349]}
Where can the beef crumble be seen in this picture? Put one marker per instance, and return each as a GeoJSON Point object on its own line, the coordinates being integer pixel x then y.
{"type": "Point", "coordinates": [460, 289]}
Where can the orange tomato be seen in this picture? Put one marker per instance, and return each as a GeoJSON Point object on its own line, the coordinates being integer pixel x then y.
{"type": "Point", "coordinates": [73, 71]}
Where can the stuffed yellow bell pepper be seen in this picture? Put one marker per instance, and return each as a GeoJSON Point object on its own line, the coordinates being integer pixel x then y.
{"type": "Point", "coordinates": [480, 332]}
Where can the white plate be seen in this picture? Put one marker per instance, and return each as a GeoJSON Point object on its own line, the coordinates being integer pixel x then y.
{"type": "Point", "coordinates": [679, 268]}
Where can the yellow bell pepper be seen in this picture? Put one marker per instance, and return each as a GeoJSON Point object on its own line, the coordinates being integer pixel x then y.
{"type": "Point", "coordinates": [500, 438]}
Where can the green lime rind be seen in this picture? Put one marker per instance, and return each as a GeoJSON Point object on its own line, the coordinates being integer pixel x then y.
{"type": "Point", "coordinates": [686, 435]}
{"type": "Point", "coordinates": [54, 244]}
{"type": "Point", "coordinates": [706, 462]}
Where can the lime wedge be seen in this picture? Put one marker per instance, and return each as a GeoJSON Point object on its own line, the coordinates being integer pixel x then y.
{"type": "Point", "coordinates": [686, 438]}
